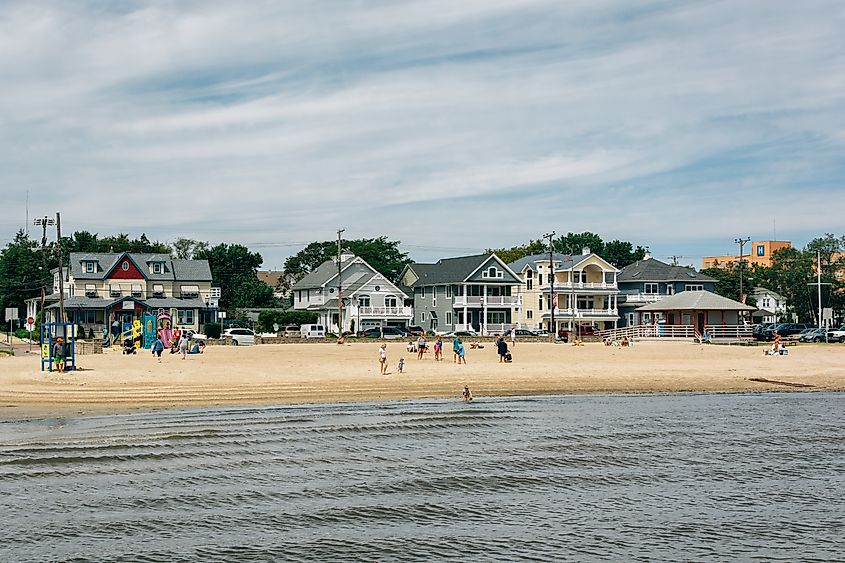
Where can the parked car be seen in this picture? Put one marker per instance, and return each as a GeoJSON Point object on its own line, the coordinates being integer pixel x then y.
{"type": "Point", "coordinates": [387, 332]}
{"type": "Point", "coordinates": [784, 329]}
{"type": "Point", "coordinates": [461, 334]}
{"type": "Point", "coordinates": [821, 335]}
{"type": "Point", "coordinates": [758, 331]}
{"type": "Point", "coordinates": [837, 334]}
{"type": "Point", "coordinates": [312, 331]}
{"type": "Point", "coordinates": [525, 332]}
{"type": "Point", "coordinates": [415, 330]}
{"type": "Point", "coordinates": [800, 336]}
{"type": "Point", "coordinates": [241, 336]}
{"type": "Point", "coordinates": [292, 331]}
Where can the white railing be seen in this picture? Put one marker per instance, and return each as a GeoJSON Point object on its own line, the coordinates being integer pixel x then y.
{"type": "Point", "coordinates": [383, 312]}
{"type": "Point", "coordinates": [490, 300]}
{"type": "Point", "coordinates": [583, 285]}
{"type": "Point", "coordinates": [736, 332]}
{"type": "Point", "coordinates": [644, 297]}
{"type": "Point", "coordinates": [586, 313]}
{"type": "Point", "coordinates": [463, 327]}
{"type": "Point", "coordinates": [495, 328]}
{"type": "Point", "coordinates": [659, 330]}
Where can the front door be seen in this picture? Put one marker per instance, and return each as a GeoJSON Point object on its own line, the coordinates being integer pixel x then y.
{"type": "Point", "coordinates": [699, 322]}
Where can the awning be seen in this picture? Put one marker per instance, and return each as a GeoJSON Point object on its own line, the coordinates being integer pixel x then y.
{"type": "Point", "coordinates": [194, 289]}
{"type": "Point", "coordinates": [90, 287]}
{"type": "Point", "coordinates": [136, 288]}
{"type": "Point", "coordinates": [158, 288]}
{"type": "Point", "coordinates": [433, 314]}
{"type": "Point", "coordinates": [115, 288]}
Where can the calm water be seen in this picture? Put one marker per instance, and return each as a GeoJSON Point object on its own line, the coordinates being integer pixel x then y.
{"type": "Point", "coordinates": [682, 477]}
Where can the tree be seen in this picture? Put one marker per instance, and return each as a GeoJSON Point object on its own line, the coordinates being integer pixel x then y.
{"type": "Point", "coordinates": [573, 243]}
{"type": "Point", "coordinates": [727, 281]}
{"type": "Point", "coordinates": [233, 270]}
{"type": "Point", "coordinates": [21, 276]}
{"type": "Point", "coordinates": [382, 254]}
{"type": "Point", "coordinates": [514, 253]}
{"type": "Point", "coordinates": [185, 248]}
{"type": "Point", "coordinates": [621, 253]}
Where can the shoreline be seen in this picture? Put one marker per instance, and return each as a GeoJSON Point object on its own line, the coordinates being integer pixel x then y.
{"type": "Point", "coordinates": [309, 374]}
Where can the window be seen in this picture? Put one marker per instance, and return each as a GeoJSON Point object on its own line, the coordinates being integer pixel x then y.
{"type": "Point", "coordinates": [422, 318]}
{"type": "Point", "coordinates": [90, 290]}
{"type": "Point", "coordinates": [136, 290]}
{"type": "Point", "coordinates": [492, 272]}
{"type": "Point", "coordinates": [90, 267]}
{"type": "Point", "coordinates": [185, 317]}
{"type": "Point", "coordinates": [448, 318]}
{"type": "Point", "coordinates": [448, 292]}
{"type": "Point", "coordinates": [651, 288]}
{"type": "Point", "coordinates": [670, 289]}
{"type": "Point", "coordinates": [158, 268]}
{"type": "Point", "coordinates": [540, 279]}
{"type": "Point", "coordinates": [364, 301]}
{"type": "Point", "coordinates": [586, 302]}
{"type": "Point", "coordinates": [433, 323]}
{"type": "Point", "coordinates": [114, 290]}
{"type": "Point", "coordinates": [761, 250]}
{"type": "Point", "coordinates": [529, 314]}
{"type": "Point", "coordinates": [529, 284]}
{"type": "Point", "coordinates": [496, 317]}
{"type": "Point", "coordinates": [540, 303]}
{"type": "Point", "coordinates": [529, 274]}
{"type": "Point", "coordinates": [390, 301]}
{"type": "Point", "coordinates": [125, 265]}
{"type": "Point", "coordinates": [434, 297]}
{"type": "Point", "coordinates": [693, 287]}
{"type": "Point", "coordinates": [422, 291]}
{"type": "Point", "coordinates": [158, 290]}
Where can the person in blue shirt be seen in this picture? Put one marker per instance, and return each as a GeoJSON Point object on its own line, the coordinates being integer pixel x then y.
{"type": "Point", "coordinates": [158, 348]}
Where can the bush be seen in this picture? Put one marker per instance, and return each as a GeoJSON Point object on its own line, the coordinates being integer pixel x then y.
{"type": "Point", "coordinates": [213, 330]}
{"type": "Point", "coordinates": [22, 333]}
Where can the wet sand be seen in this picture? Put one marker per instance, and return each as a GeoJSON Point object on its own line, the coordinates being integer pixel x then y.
{"type": "Point", "coordinates": [320, 373]}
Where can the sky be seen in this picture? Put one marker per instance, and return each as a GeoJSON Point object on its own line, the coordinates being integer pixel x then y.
{"type": "Point", "coordinates": [450, 126]}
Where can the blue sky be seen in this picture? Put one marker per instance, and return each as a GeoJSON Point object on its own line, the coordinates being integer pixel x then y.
{"type": "Point", "coordinates": [451, 126]}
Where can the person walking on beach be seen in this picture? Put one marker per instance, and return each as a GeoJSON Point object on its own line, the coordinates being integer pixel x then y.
{"type": "Point", "coordinates": [456, 344]}
{"type": "Point", "coordinates": [59, 354]}
{"type": "Point", "coordinates": [421, 345]}
{"type": "Point", "coordinates": [513, 336]}
{"type": "Point", "coordinates": [502, 349]}
{"type": "Point", "coordinates": [382, 358]}
{"type": "Point", "coordinates": [158, 348]}
{"type": "Point", "coordinates": [461, 352]}
{"type": "Point", "coordinates": [183, 345]}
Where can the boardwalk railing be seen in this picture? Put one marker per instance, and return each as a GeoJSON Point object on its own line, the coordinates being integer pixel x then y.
{"type": "Point", "coordinates": [687, 332]}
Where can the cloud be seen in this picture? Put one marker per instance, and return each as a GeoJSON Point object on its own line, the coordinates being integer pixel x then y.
{"type": "Point", "coordinates": [485, 122]}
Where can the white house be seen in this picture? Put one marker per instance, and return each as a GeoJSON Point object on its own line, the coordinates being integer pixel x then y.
{"type": "Point", "coordinates": [771, 306]}
{"type": "Point", "coordinates": [368, 298]}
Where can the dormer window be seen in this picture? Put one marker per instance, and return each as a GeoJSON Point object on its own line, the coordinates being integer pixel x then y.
{"type": "Point", "coordinates": [493, 272]}
{"type": "Point", "coordinates": [157, 267]}
{"type": "Point", "coordinates": [89, 266]}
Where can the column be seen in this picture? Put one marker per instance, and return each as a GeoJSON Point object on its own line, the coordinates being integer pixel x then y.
{"type": "Point", "coordinates": [484, 309]}
{"type": "Point", "coordinates": [466, 297]}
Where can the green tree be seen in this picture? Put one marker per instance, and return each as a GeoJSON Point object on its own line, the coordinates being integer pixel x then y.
{"type": "Point", "coordinates": [574, 243]}
{"type": "Point", "coordinates": [621, 253]}
{"type": "Point", "coordinates": [727, 281]}
{"type": "Point", "coordinates": [382, 254]}
{"type": "Point", "coordinates": [21, 276]}
{"type": "Point", "coordinates": [233, 270]}
{"type": "Point", "coordinates": [185, 248]}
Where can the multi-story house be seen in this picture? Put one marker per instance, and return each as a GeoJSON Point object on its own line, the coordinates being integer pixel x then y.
{"type": "Point", "coordinates": [112, 290]}
{"type": "Point", "coordinates": [477, 293]}
{"type": "Point", "coordinates": [648, 281]}
{"type": "Point", "coordinates": [771, 306]}
{"type": "Point", "coordinates": [761, 254]}
{"type": "Point", "coordinates": [368, 299]}
{"type": "Point", "coordinates": [584, 291]}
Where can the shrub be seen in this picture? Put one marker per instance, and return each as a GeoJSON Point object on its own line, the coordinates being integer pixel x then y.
{"type": "Point", "coordinates": [22, 333]}
{"type": "Point", "coordinates": [213, 330]}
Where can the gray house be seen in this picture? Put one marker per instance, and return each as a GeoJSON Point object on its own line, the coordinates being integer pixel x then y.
{"type": "Point", "coordinates": [476, 292]}
{"type": "Point", "coordinates": [648, 281]}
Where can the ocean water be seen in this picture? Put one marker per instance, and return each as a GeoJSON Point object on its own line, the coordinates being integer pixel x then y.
{"type": "Point", "coordinates": [622, 478]}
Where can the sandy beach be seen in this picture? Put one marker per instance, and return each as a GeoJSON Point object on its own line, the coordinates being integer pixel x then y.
{"type": "Point", "coordinates": [318, 373]}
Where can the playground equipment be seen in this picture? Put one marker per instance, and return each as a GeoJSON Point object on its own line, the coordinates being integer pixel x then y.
{"type": "Point", "coordinates": [165, 324]}
{"type": "Point", "coordinates": [49, 333]}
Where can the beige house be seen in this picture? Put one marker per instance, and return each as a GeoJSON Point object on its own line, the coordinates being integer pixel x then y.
{"type": "Point", "coordinates": [585, 291]}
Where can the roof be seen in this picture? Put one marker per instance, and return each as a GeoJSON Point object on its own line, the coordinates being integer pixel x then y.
{"type": "Point", "coordinates": [321, 274]}
{"type": "Point", "coordinates": [762, 290]}
{"type": "Point", "coordinates": [566, 261]}
{"type": "Point", "coordinates": [82, 302]}
{"type": "Point", "coordinates": [652, 270]}
{"type": "Point", "coordinates": [271, 277]}
{"type": "Point", "coordinates": [696, 301]}
{"type": "Point", "coordinates": [174, 270]}
{"type": "Point", "coordinates": [449, 270]}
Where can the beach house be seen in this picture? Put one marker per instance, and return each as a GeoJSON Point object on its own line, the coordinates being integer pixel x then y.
{"type": "Point", "coordinates": [477, 293]}
{"type": "Point", "coordinates": [113, 290]}
{"type": "Point", "coordinates": [354, 290]}
{"type": "Point", "coordinates": [648, 281]}
{"type": "Point", "coordinates": [585, 291]}
{"type": "Point", "coordinates": [771, 306]}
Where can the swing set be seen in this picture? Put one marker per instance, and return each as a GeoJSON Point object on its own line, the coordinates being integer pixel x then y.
{"type": "Point", "coordinates": [50, 332]}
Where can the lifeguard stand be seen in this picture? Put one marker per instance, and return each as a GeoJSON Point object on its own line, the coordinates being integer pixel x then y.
{"type": "Point", "coordinates": [49, 333]}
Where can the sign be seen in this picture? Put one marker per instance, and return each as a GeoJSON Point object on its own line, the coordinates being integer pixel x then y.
{"type": "Point", "coordinates": [128, 305]}
{"type": "Point", "coordinates": [11, 314]}
{"type": "Point", "coordinates": [30, 321]}
{"type": "Point", "coordinates": [827, 314]}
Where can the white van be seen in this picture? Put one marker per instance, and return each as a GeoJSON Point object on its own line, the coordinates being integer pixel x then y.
{"type": "Point", "coordinates": [312, 331]}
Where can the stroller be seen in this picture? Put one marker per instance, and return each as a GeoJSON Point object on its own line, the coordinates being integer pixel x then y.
{"type": "Point", "coordinates": [129, 346]}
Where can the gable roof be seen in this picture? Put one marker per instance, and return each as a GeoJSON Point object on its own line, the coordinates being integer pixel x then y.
{"type": "Point", "coordinates": [757, 291]}
{"type": "Point", "coordinates": [327, 271]}
{"type": "Point", "coordinates": [652, 270]}
{"type": "Point", "coordinates": [321, 274]}
{"type": "Point", "coordinates": [696, 301]}
{"type": "Point", "coordinates": [566, 261]}
{"type": "Point", "coordinates": [174, 270]}
{"type": "Point", "coordinates": [453, 270]}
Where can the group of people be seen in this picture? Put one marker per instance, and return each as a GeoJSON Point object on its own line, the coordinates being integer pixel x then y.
{"type": "Point", "coordinates": [181, 346]}
{"type": "Point", "coordinates": [502, 349]}
{"type": "Point", "coordinates": [625, 342]}
{"type": "Point", "coordinates": [777, 348]}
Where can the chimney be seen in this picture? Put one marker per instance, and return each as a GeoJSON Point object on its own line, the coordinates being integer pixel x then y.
{"type": "Point", "coordinates": [585, 250]}
{"type": "Point", "coordinates": [647, 255]}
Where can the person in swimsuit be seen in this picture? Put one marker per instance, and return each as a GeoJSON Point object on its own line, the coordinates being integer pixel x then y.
{"type": "Point", "coordinates": [382, 358]}
{"type": "Point", "coordinates": [438, 349]}
{"type": "Point", "coordinates": [421, 345]}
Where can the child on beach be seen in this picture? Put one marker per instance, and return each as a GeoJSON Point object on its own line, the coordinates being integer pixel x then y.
{"type": "Point", "coordinates": [421, 346]}
{"type": "Point", "coordinates": [461, 352]}
{"type": "Point", "coordinates": [401, 366]}
{"type": "Point", "coordinates": [382, 358]}
{"type": "Point", "coordinates": [438, 349]}
{"type": "Point", "coordinates": [456, 343]}
{"type": "Point", "coordinates": [59, 354]}
{"type": "Point", "coordinates": [467, 394]}
{"type": "Point", "coordinates": [158, 348]}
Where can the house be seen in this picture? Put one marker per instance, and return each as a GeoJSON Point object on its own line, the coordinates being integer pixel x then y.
{"type": "Point", "coordinates": [278, 281]}
{"type": "Point", "coordinates": [648, 281]}
{"type": "Point", "coordinates": [367, 298]}
{"type": "Point", "coordinates": [761, 254]}
{"type": "Point", "coordinates": [700, 311]}
{"type": "Point", "coordinates": [477, 292]}
{"type": "Point", "coordinates": [116, 289]}
{"type": "Point", "coordinates": [771, 306]}
{"type": "Point", "coordinates": [585, 291]}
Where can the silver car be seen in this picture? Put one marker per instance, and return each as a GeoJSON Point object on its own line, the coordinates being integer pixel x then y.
{"type": "Point", "coordinates": [241, 336]}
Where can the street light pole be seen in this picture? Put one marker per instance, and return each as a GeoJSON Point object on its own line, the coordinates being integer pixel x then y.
{"type": "Point", "coordinates": [552, 327]}
{"type": "Point", "coordinates": [339, 289]}
{"type": "Point", "coordinates": [741, 242]}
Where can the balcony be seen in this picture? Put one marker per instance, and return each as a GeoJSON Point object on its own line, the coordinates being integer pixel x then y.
{"type": "Point", "coordinates": [583, 285]}
{"type": "Point", "coordinates": [586, 313]}
{"type": "Point", "coordinates": [489, 301]}
{"type": "Point", "coordinates": [644, 297]}
{"type": "Point", "coordinates": [383, 312]}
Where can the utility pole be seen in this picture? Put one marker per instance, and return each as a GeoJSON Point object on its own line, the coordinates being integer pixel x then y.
{"type": "Point", "coordinates": [675, 260]}
{"type": "Point", "coordinates": [339, 289]}
{"type": "Point", "coordinates": [61, 268]}
{"type": "Point", "coordinates": [819, 285]}
{"type": "Point", "coordinates": [43, 222]}
{"type": "Point", "coordinates": [741, 242]}
{"type": "Point", "coordinates": [552, 327]}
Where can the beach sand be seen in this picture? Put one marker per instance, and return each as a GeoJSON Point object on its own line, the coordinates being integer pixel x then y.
{"type": "Point", "coordinates": [320, 373]}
